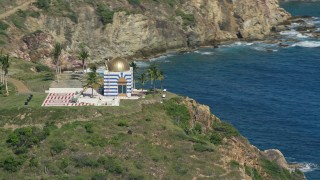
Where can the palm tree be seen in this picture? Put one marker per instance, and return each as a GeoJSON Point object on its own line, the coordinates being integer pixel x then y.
{"type": "Point", "coordinates": [160, 77]}
{"type": "Point", "coordinates": [152, 72]}
{"type": "Point", "coordinates": [1, 73]}
{"type": "Point", "coordinates": [5, 69]}
{"type": "Point", "coordinates": [143, 79]}
{"type": "Point", "coordinates": [135, 68]}
{"type": "Point", "coordinates": [83, 55]}
{"type": "Point", "coordinates": [93, 80]}
{"type": "Point", "coordinates": [56, 57]}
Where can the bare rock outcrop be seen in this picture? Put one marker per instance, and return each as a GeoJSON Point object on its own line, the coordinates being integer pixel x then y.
{"type": "Point", "coordinates": [152, 27]}
{"type": "Point", "coordinates": [276, 156]}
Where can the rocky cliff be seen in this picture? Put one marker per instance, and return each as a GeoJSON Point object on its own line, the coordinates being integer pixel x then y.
{"type": "Point", "coordinates": [235, 149]}
{"type": "Point", "coordinates": [134, 28]}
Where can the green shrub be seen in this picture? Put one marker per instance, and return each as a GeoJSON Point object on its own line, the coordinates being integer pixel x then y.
{"type": "Point", "coordinates": [123, 123]}
{"type": "Point", "coordinates": [89, 128]}
{"type": "Point", "coordinates": [12, 163]}
{"type": "Point", "coordinates": [43, 4]}
{"type": "Point", "coordinates": [19, 18]}
{"type": "Point", "coordinates": [135, 176]}
{"type": "Point", "coordinates": [202, 148]}
{"type": "Point", "coordinates": [252, 172]}
{"type": "Point", "coordinates": [40, 67]}
{"type": "Point", "coordinates": [3, 26]}
{"type": "Point", "coordinates": [178, 112]}
{"type": "Point", "coordinates": [198, 128]}
{"type": "Point", "coordinates": [111, 164]}
{"type": "Point", "coordinates": [181, 169]}
{"type": "Point", "coordinates": [225, 129]}
{"type": "Point", "coordinates": [106, 15]}
{"type": "Point", "coordinates": [138, 165]}
{"type": "Point", "coordinates": [57, 147]}
{"type": "Point", "coordinates": [96, 140]}
{"type": "Point", "coordinates": [215, 138]}
{"type": "Point", "coordinates": [234, 164]}
{"type": "Point", "coordinates": [34, 162]}
{"type": "Point", "coordinates": [99, 177]}
{"type": "Point", "coordinates": [274, 170]}
{"type": "Point", "coordinates": [188, 19]}
{"type": "Point", "coordinates": [134, 2]}
{"type": "Point", "coordinates": [85, 161]}
{"type": "Point", "coordinates": [22, 139]}
{"type": "Point", "coordinates": [34, 14]}
{"type": "Point", "coordinates": [64, 163]}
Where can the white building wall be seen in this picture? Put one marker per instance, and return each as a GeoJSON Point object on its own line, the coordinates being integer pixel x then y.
{"type": "Point", "coordinates": [111, 82]}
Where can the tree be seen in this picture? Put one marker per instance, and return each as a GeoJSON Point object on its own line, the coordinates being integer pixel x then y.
{"type": "Point", "coordinates": [56, 57]}
{"type": "Point", "coordinates": [93, 80]}
{"type": "Point", "coordinates": [4, 59]}
{"type": "Point", "coordinates": [143, 79]}
{"type": "Point", "coordinates": [160, 77]}
{"type": "Point", "coordinates": [152, 72]}
{"type": "Point", "coordinates": [135, 68]}
{"type": "Point", "coordinates": [83, 55]}
{"type": "Point", "coordinates": [1, 73]}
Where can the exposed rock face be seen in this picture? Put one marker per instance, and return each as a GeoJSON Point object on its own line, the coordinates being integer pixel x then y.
{"type": "Point", "coordinates": [276, 156]}
{"type": "Point", "coordinates": [238, 148]}
{"type": "Point", "coordinates": [156, 27]}
{"type": "Point", "coordinates": [200, 114]}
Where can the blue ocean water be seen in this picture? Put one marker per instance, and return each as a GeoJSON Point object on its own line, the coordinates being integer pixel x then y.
{"type": "Point", "coordinates": [271, 94]}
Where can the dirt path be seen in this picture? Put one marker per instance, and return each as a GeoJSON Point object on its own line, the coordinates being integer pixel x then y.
{"type": "Point", "coordinates": [21, 87]}
{"type": "Point", "coordinates": [23, 6]}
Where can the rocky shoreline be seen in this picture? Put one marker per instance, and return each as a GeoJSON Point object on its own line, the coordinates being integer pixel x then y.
{"type": "Point", "coordinates": [298, 23]}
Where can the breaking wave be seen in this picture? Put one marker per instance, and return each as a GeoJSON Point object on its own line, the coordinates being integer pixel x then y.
{"type": "Point", "coordinates": [293, 33]}
{"type": "Point", "coordinates": [307, 44]}
{"type": "Point", "coordinates": [308, 167]}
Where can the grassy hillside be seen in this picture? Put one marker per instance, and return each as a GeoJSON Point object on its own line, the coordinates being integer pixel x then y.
{"type": "Point", "coordinates": [133, 141]}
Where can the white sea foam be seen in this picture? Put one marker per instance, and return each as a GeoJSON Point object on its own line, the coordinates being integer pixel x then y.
{"type": "Point", "coordinates": [238, 44]}
{"type": "Point", "coordinates": [308, 44]}
{"type": "Point", "coordinates": [142, 64]}
{"type": "Point", "coordinates": [294, 33]}
{"type": "Point", "coordinates": [308, 167]}
{"type": "Point", "coordinates": [206, 53]}
{"type": "Point", "coordinates": [161, 57]}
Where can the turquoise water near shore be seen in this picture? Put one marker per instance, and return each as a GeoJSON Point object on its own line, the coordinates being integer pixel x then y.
{"type": "Point", "coordinates": [271, 94]}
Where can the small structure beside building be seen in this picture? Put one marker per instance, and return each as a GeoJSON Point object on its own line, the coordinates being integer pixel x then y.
{"type": "Point", "coordinates": [118, 78]}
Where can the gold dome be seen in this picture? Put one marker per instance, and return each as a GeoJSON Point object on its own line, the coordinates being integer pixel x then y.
{"type": "Point", "coordinates": [118, 65]}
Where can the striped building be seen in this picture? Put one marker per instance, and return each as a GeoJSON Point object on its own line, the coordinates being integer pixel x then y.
{"type": "Point", "coordinates": [118, 78]}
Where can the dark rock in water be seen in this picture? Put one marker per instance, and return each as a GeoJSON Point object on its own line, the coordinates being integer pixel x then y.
{"type": "Point", "coordinates": [279, 28]}
{"type": "Point", "coordinates": [283, 45]}
{"type": "Point", "coordinates": [269, 50]}
{"type": "Point", "coordinates": [307, 27]}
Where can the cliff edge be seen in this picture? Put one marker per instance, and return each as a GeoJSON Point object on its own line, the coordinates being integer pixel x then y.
{"type": "Point", "coordinates": [133, 28]}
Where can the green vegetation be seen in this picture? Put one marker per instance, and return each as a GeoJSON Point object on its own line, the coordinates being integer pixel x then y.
{"type": "Point", "coordinates": [94, 81]}
{"type": "Point", "coordinates": [83, 55]}
{"type": "Point", "coordinates": [134, 2]}
{"type": "Point", "coordinates": [277, 172]}
{"type": "Point", "coordinates": [4, 70]}
{"type": "Point", "coordinates": [3, 26]}
{"type": "Point", "coordinates": [103, 147]}
{"type": "Point", "coordinates": [58, 8]}
{"type": "Point", "coordinates": [178, 112]}
{"type": "Point", "coordinates": [105, 14]}
{"type": "Point", "coordinates": [43, 4]}
{"type": "Point", "coordinates": [252, 172]}
{"type": "Point", "coordinates": [35, 75]}
{"type": "Point", "coordinates": [19, 18]}
{"type": "Point", "coordinates": [188, 19]}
